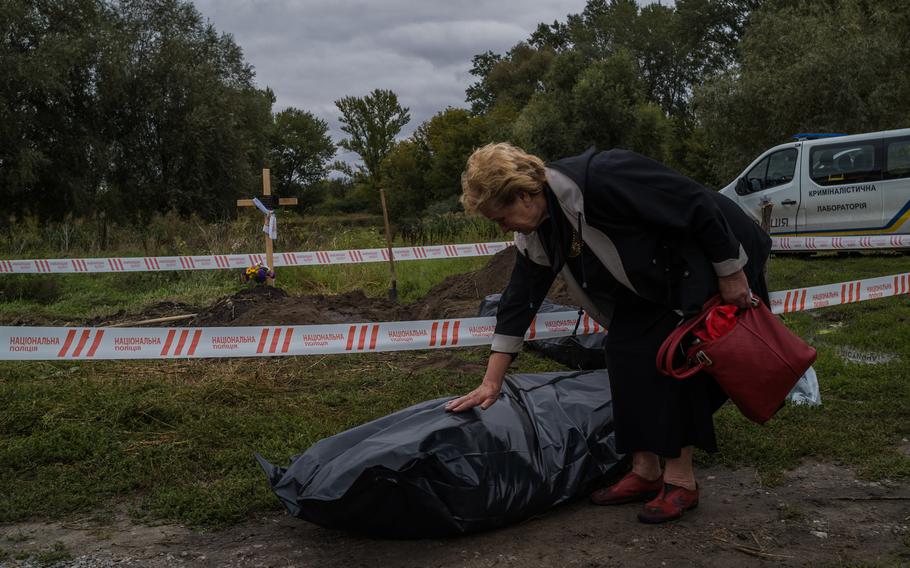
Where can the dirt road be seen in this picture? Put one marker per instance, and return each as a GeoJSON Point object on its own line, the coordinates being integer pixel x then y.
{"type": "Point", "coordinates": [821, 515]}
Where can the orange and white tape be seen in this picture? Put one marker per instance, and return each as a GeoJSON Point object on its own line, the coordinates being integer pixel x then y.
{"type": "Point", "coordinates": [801, 299]}
{"type": "Point", "coordinates": [229, 261]}
{"type": "Point", "coordinates": [48, 343]}
{"type": "Point", "coordinates": [359, 256]}
{"type": "Point", "coordinates": [859, 242]}
{"type": "Point", "coordinates": [59, 343]}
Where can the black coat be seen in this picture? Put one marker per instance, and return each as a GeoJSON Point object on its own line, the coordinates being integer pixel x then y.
{"type": "Point", "coordinates": [674, 237]}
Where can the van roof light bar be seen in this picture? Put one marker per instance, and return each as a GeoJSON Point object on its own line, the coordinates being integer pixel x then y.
{"type": "Point", "coordinates": [816, 135]}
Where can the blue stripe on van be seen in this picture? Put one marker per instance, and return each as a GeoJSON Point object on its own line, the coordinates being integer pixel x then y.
{"type": "Point", "coordinates": [894, 220]}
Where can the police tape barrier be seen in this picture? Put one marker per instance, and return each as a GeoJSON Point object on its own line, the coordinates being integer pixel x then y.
{"type": "Point", "coordinates": [859, 242]}
{"type": "Point", "coordinates": [50, 343]}
{"type": "Point", "coordinates": [360, 256]}
{"type": "Point", "coordinates": [45, 343]}
{"type": "Point", "coordinates": [229, 261]}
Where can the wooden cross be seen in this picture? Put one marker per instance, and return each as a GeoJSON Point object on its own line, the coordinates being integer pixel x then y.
{"type": "Point", "coordinates": [272, 203]}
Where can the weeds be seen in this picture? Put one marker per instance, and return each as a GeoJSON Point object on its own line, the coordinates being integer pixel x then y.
{"type": "Point", "coordinates": [174, 439]}
{"type": "Point", "coordinates": [170, 234]}
{"type": "Point", "coordinates": [442, 228]}
{"type": "Point", "coordinates": [179, 436]}
{"type": "Point", "coordinates": [56, 553]}
{"type": "Point", "coordinates": [787, 512]}
{"type": "Point", "coordinates": [81, 297]}
{"type": "Point", "coordinates": [18, 536]}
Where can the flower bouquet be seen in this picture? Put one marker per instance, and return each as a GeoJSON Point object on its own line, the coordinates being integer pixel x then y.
{"type": "Point", "coordinates": [258, 273]}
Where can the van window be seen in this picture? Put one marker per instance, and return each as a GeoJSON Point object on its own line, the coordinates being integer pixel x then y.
{"type": "Point", "coordinates": [756, 176]}
{"type": "Point", "coordinates": [845, 163]}
{"type": "Point", "coordinates": [774, 170]}
{"type": "Point", "coordinates": [897, 158]}
{"type": "Point", "coordinates": [781, 166]}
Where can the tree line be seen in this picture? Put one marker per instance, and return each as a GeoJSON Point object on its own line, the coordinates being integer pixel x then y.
{"type": "Point", "coordinates": [127, 108]}
{"type": "Point", "coordinates": [124, 109]}
{"type": "Point", "coordinates": [703, 85]}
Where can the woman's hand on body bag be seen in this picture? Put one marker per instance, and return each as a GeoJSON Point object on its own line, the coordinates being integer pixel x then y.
{"type": "Point", "coordinates": [734, 289]}
{"type": "Point", "coordinates": [488, 391]}
{"type": "Point", "coordinates": [483, 396]}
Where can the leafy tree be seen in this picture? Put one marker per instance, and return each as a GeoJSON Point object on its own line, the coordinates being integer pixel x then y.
{"type": "Point", "coordinates": [191, 126]}
{"type": "Point", "coordinates": [809, 66]}
{"type": "Point", "coordinates": [450, 136]}
{"type": "Point", "coordinates": [124, 108]}
{"type": "Point", "coordinates": [605, 99]}
{"type": "Point", "coordinates": [604, 107]}
{"type": "Point", "coordinates": [511, 79]}
{"type": "Point", "coordinates": [425, 171]}
{"type": "Point", "coordinates": [337, 195]}
{"type": "Point", "coordinates": [603, 27]}
{"type": "Point", "coordinates": [404, 177]}
{"type": "Point", "coordinates": [372, 122]}
{"type": "Point", "coordinates": [543, 128]}
{"type": "Point", "coordinates": [300, 149]}
{"type": "Point", "coordinates": [480, 94]}
{"type": "Point", "coordinates": [48, 133]}
{"type": "Point", "coordinates": [499, 123]}
{"type": "Point", "coordinates": [616, 74]}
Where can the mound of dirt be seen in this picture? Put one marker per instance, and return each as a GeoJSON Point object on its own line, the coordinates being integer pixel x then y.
{"type": "Point", "coordinates": [460, 295]}
{"type": "Point", "coordinates": [456, 296]}
{"type": "Point", "coordinates": [155, 311]}
{"type": "Point", "coordinates": [265, 305]}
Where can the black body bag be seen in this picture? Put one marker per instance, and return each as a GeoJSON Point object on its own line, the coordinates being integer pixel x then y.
{"type": "Point", "coordinates": [582, 352]}
{"type": "Point", "coordinates": [425, 472]}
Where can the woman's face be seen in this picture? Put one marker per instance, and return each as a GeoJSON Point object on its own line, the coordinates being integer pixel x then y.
{"type": "Point", "coordinates": [524, 214]}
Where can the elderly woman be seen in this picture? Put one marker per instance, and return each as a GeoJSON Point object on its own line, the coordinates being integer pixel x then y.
{"type": "Point", "coordinates": [640, 247]}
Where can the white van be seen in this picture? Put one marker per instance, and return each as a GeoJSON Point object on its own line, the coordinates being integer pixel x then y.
{"type": "Point", "coordinates": [831, 185]}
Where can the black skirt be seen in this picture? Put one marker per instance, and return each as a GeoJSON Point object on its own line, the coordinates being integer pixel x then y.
{"type": "Point", "coordinates": [653, 412]}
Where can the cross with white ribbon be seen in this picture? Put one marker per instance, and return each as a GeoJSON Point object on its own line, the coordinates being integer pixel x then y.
{"type": "Point", "coordinates": [267, 204]}
{"type": "Point", "coordinates": [270, 227]}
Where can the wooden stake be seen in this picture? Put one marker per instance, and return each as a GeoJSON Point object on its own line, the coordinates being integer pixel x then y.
{"type": "Point", "coordinates": [393, 291]}
{"type": "Point", "coordinates": [766, 209]}
{"type": "Point", "coordinates": [153, 320]}
{"type": "Point", "coordinates": [267, 190]}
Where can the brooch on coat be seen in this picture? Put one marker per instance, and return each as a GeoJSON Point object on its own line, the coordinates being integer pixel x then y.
{"type": "Point", "coordinates": [575, 247]}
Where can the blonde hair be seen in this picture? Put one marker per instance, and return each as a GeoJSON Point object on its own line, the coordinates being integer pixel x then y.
{"type": "Point", "coordinates": [496, 173]}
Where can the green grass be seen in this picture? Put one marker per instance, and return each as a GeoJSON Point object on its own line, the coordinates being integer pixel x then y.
{"type": "Point", "coordinates": [865, 409]}
{"type": "Point", "coordinates": [178, 437]}
{"type": "Point", "coordinates": [174, 440]}
{"type": "Point", "coordinates": [56, 553]}
{"type": "Point", "coordinates": [79, 297]}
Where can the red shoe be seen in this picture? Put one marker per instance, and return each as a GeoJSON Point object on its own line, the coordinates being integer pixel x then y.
{"type": "Point", "coordinates": [629, 489]}
{"type": "Point", "coordinates": [672, 502]}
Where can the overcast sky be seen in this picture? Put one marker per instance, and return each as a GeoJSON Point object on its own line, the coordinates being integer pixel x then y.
{"type": "Point", "coordinates": [313, 52]}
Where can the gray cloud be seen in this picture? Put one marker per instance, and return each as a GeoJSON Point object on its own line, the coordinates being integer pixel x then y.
{"type": "Point", "coordinates": [313, 52]}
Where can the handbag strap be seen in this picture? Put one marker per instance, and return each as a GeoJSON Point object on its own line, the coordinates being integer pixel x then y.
{"type": "Point", "coordinates": [667, 351]}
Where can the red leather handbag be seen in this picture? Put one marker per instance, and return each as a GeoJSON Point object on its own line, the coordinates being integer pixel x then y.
{"type": "Point", "coordinates": [756, 360]}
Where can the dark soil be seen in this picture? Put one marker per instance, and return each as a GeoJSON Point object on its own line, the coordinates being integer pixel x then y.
{"type": "Point", "coordinates": [155, 311]}
{"type": "Point", "coordinates": [456, 296]}
{"type": "Point", "coordinates": [820, 516]}
{"type": "Point", "coordinates": [272, 306]}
